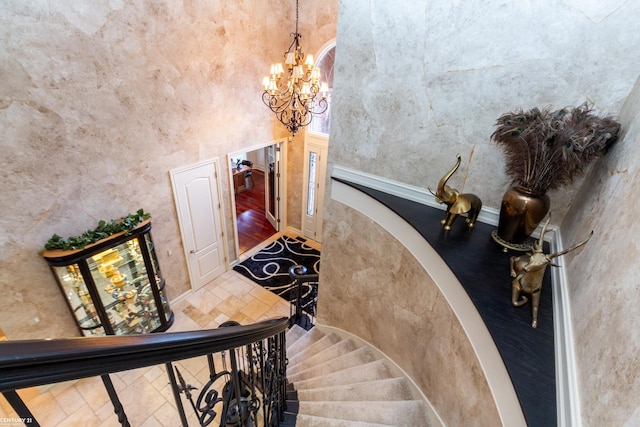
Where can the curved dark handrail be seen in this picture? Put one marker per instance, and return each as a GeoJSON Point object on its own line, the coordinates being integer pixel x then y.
{"type": "Point", "coordinates": [31, 363]}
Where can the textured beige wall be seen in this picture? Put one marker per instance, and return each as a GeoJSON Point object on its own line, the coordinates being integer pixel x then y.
{"type": "Point", "coordinates": [417, 82]}
{"type": "Point", "coordinates": [604, 284]}
{"type": "Point", "coordinates": [295, 181]}
{"type": "Point", "coordinates": [373, 287]}
{"type": "Point", "coordinates": [99, 101]}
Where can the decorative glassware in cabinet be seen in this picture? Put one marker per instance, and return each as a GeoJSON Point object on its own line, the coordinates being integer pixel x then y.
{"type": "Point", "coordinates": [115, 284]}
{"type": "Point", "coordinates": [79, 299]}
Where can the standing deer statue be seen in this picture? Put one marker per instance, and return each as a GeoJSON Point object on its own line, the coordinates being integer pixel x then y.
{"type": "Point", "coordinates": [528, 272]}
{"type": "Point", "coordinates": [457, 203]}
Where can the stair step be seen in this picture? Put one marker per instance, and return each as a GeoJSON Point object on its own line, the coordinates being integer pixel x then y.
{"type": "Point", "coordinates": [289, 420]}
{"type": "Point", "coordinates": [357, 357]}
{"type": "Point", "coordinates": [388, 389]}
{"type": "Point", "coordinates": [336, 382]}
{"type": "Point", "coordinates": [293, 406]}
{"type": "Point", "coordinates": [338, 349]}
{"type": "Point", "coordinates": [304, 341]}
{"type": "Point", "coordinates": [297, 356]}
{"type": "Point", "coordinates": [303, 420]}
{"type": "Point", "coordinates": [409, 413]}
{"type": "Point", "coordinates": [375, 370]}
{"type": "Point", "coordinates": [293, 334]}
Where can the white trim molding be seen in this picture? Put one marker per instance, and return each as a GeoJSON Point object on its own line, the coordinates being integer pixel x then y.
{"type": "Point", "coordinates": [567, 393]}
{"type": "Point", "coordinates": [406, 191]}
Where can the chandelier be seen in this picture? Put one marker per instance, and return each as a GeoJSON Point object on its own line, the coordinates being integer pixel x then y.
{"type": "Point", "coordinates": [295, 94]}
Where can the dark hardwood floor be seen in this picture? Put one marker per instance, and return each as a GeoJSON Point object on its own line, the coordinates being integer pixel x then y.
{"type": "Point", "coordinates": [253, 227]}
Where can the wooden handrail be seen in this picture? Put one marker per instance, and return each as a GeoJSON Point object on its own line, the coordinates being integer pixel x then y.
{"type": "Point", "coordinates": [31, 363]}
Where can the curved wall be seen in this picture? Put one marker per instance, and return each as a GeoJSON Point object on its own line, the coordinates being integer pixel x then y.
{"type": "Point", "coordinates": [373, 286]}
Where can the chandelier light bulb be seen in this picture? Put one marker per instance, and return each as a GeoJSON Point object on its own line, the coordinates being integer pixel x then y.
{"type": "Point", "coordinates": [306, 91]}
{"type": "Point", "coordinates": [315, 75]}
{"type": "Point", "coordinates": [273, 86]}
{"type": "Point", "coordinates": [290, 58]}
{"type": "Point", "coordinates": [297, 72]}
{"type": "Point", "coordinates": [309, 61]}
{"type": "Point", "coordinates": [324, 88]}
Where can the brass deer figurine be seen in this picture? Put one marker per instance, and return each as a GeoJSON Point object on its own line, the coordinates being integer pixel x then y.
{"type": "Point", "coordinates": [528, 272]}
{"type": "Point", "coordinates": [457, 203]}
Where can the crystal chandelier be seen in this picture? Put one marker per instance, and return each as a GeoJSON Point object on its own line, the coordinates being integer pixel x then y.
{"type": "Point", "coordinates": [295, 94]}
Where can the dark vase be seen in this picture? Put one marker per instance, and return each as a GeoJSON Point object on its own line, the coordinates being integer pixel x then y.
{"type": "Point", "coordinates": [521, 211]}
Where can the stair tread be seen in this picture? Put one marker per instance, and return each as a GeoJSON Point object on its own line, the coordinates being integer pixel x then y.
{"type": "Point", "coordinates": [375, 370]}
{"type": "Point", "coordinates": [304, 420]}
{"type": "Point", "coordinates": [305, 340]}
{"type": "Point", "coordinates": [338, 349]}
{"type": "Point", "coordinates": [408, 413]}
{"type": "Point", "coordinates": [354, 358]}
{"type": "Point", "coordinates": [386, 389]}
{"type": "Point", "coordinates": [297, 355]}
{"type": "Point", "coordinates": [293, 334]}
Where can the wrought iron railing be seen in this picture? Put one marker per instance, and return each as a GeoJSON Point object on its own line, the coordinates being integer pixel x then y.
{"type": "Point", "coordinates": [246, 385]}
{"type": "Point", "coordinates": [299, 314]}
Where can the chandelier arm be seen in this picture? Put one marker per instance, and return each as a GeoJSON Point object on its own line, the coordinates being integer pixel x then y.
{"type": "Point", "coordinates": [305, 119]}
{"type": "Point", "coordinates": [323, 104]}
{"type": "Point", "coordinates": [277, 104]}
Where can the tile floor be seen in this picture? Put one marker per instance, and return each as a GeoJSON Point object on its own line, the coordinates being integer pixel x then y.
{"type": "Point", "coordinates": [145, 393]}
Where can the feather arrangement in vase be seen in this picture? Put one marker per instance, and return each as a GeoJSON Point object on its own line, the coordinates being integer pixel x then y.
{"type": "Point", "coordinates": [545, 149]}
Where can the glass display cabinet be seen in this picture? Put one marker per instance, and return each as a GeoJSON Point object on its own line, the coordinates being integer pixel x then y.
{"type": "Point", "coordinates": [114, 286]}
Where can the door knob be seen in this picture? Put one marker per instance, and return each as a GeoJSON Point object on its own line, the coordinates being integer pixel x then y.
{"type": "Point", "coordinates": [192, 251]}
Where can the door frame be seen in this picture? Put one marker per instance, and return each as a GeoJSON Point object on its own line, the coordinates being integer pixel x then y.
{"type": "Point", "coordinates": [320, 141]}
{"type": "Point", "coordinates": [273, 219]}
{"type": "Point", "coordinates": [216, 174]}
{"type": "Point", "coordinates": [282, 181]}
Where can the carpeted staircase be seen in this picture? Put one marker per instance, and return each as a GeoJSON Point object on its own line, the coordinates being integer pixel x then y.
{"type": "Point", "coordinates": [341, 381]}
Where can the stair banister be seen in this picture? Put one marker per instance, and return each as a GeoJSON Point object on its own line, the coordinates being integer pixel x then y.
{"type": "Point", "coordinates": [299, 274]}
{"type": "Point", "coordinates": [31, 363]}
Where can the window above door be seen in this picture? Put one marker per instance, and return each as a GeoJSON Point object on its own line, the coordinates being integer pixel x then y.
{"type": "Point", "coordinates": [321, 122]}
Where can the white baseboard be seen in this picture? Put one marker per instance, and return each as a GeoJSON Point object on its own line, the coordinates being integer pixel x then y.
{"type": "Point", "coordinates": [181, 297]}
{"type": "Point", "coordinates": [292, 230]}
{"type": "Point", "coordinates": [567, 392]}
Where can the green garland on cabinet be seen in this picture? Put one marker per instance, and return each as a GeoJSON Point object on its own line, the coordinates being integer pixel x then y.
{"type": "Point", "coordinates": [103, 230]}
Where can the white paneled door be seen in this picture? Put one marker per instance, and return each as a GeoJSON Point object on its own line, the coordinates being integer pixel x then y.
{"type": "Point", "coordinates": [197, 195]}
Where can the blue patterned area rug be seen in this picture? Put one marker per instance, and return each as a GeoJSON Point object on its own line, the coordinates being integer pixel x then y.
{"type": "Point", "coordinates": [270, 269]}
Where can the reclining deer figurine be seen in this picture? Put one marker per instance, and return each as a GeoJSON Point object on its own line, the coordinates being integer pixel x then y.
{"type": "Point", "coordinates": [528, 272]}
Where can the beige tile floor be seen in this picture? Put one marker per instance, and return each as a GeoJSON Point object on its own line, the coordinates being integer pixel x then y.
{"type": "Point", "coordinates": [145, 393]}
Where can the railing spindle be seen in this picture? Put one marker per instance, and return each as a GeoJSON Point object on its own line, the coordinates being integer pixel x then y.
{"type": "Point", "coordinates": [176, 394]}
{"type": "Point", "coordinates": [117, 406]}
{"type": "Point", "coordinates": [21, 409]}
